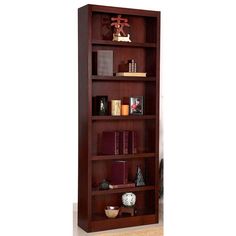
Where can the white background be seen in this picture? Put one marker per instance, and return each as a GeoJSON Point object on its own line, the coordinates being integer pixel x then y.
{"type": "Point", "coordinates": [39, 114]}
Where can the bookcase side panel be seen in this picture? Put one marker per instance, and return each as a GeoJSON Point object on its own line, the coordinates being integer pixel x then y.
{"type": "Point", "coordinates": [158, 25]}
{"type": "Point", "coordinates": [83, 205]}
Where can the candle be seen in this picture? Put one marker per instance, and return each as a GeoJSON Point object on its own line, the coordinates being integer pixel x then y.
{"type": "Point", "coordinates": [125, 110]}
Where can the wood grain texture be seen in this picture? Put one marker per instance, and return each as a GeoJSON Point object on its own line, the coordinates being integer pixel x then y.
{"type": "Point", "coordinates": [94, 167]}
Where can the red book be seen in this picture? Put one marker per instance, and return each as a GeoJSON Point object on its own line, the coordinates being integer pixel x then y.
{"type": "Point", "coordinates": [119, 172]}
{"type": "Point", "coordinates": [124, 139]}
{"type": "Point", "coordinates": [128, 185]}
{"type": "Point", "coordinates": [132, 142]}
{"type": "Point", "coordinates": [110, 143]}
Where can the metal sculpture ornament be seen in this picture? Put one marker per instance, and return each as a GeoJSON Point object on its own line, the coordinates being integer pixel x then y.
{"type": "Point", "coordinates": [119, 23]}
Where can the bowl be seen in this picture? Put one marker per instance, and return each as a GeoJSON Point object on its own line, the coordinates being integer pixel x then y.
{"type": "Point", "coordinates": [112, 211]}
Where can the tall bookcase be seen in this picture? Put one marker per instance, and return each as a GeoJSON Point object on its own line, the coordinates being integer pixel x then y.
{"type": "Point", "coordinates": [94, 167]}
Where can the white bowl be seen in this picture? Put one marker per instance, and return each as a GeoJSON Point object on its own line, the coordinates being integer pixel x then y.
{"type": "Point", "coordinates": [112, 211]}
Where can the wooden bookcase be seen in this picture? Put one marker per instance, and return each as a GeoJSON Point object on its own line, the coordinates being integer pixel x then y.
{"type": "Point", "coordinates": [93, 167]}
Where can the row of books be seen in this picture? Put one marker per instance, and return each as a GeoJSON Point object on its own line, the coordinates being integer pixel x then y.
{"type": "Point", "coordinates": [119, 142]}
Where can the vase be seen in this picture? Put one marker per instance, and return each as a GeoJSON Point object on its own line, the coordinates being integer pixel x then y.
{"type": "Point", "coordinates": [129, 199]}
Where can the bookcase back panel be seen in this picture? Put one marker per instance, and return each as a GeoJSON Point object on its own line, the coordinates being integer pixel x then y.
{"type": "Point", "coordinates": [141, 30]}
{"type": "Point", "coordinates": [145, 202]}
{"type": "Point", "coordinates": [150, 61]}
{"type": "Point", "coordinates": [100, 202]}
{"type": "Point", "coordinates": [101, 171]}
{"type": "Point", "coordinates": [145, 133]}
{"type": "Point", "coordinates": [118, 90]}
{"type": "Point", "coordinates": [150, 165]}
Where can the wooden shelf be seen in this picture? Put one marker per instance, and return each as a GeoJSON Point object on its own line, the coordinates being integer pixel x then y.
{"type": "Point", "coordinates": [118, 157]}
{"type": "Point", "coordinates": [123, 44]}
{"type": "Point", "coordinates": [98, 217]}
{"type": "Point", "coordinates": [134, 117]}
{"type": "Point", "coordinates": [101, 222]}
{"type": "Point", "coordinates": [122, 190]}
{"type": "Point", "coordinates": [123, 78]}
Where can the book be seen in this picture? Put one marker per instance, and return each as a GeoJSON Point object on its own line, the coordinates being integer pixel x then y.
{"type": "Point", "coordinates": [132, 149]}
{"type": "Point", "coordinates": [104, 62]}
{"type": "Point", "coordinates": [115, 186]}
{"type": "Point", "coordinates": [110, 143]}
{"type": "Point", "coordinates": [132, 65]}
{"type": "Point", "coordinates": [124, 142]}
{"type": "Point", "coordinates": [134, 74]}
{"type": "Point", "coordinates": [119, 172]}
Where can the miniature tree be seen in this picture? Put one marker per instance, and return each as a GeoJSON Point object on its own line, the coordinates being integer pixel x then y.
{"type": "Point", "coordinates": [139, 180]}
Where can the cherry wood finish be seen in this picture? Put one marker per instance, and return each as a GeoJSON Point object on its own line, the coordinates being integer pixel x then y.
{"type": "Point", "coordinates": [93, 166]}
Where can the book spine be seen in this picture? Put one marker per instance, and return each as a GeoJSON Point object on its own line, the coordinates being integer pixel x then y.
{"type": "Point", "coordinates": [133, 142]}
{"type": "Point", "coordinates": [125, 142]}
{"type": "Point", "coordinates": [132, 62]}
{"type": "Point", "coordinates": [130, 67]}
{"type": "Point", "coordinates": [117, 144]}
{"type": "Point", "coordinates": [124, 145]}
{"type": "Point", "coordinates": [121, 142]}
{"type": "Point", "coordinates": [115, 186]}
{"type": "Point", "coordinates": [125, 173]}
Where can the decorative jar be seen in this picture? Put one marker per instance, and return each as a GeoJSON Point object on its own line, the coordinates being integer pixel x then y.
{"type": "Point", "coordinates": [128, 199]}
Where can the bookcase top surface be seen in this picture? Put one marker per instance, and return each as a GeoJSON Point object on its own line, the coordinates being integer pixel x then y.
{"type": "Point", "coordinates": [122, 10]}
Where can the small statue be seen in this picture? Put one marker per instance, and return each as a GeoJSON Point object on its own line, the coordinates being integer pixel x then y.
{"type": "Point", "coordinates": [104, 185]}
{"type": "Point", "coordinates": [139, 180]}
{"type": "Point", "coordinates": [119, 34]}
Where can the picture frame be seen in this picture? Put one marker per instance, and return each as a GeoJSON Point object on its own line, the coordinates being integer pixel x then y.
{"type": "Point", "coordinates": [136, 105]}
{"type": "Point", "coordinates": [102, 105]}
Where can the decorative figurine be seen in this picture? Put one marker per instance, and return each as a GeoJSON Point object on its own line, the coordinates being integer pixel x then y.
{"type": "Point", "coordinates": [119, 35]}
{"type": "Point", "coordinates": [139, 181]}
{"type": "Point", "coordinates": [104, 185]}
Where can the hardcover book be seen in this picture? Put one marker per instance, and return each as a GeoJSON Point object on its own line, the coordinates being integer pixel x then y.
{"type": "Point", "coordinates": [119, 172]}
{"type": "Point", "coordinates": [124, 142]}
{"type": "Point", "coordinates": [128, 185]}
{"type": "Point", "coordinates": [110, 143]}
{"type": "Point", "coordinates": [132, 142]}
{"type": "Point", "coordinates": [105, 62]}
{"type": "Point", "coordinates": [134, 74]}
